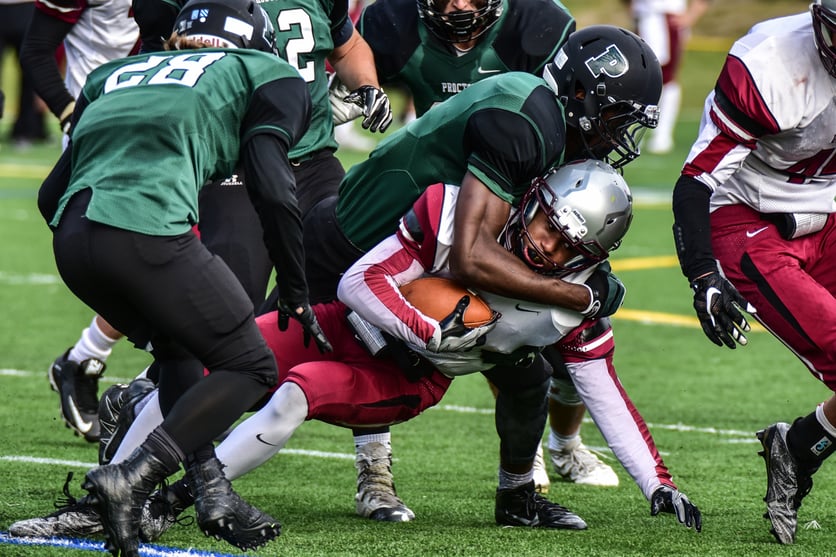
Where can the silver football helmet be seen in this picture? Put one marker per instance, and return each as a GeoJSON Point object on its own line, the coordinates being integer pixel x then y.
{"type": "Point", "coordinates": [587, 200]}
{"type": "Point", "coordinates": [824, 29]}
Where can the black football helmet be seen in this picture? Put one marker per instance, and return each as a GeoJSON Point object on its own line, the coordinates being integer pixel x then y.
{"type": "Point", "coordinates": [227, 24]}
{"type": "Point", "coordinates": [609, 81]}
{"type": "Point", "coordinates": [459, 26]}
{"type": "Point", "coordinates": [588, 201]}
{"type": "Point", "coordinates": [824, 28]}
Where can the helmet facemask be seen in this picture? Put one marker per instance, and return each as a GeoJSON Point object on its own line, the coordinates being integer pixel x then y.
{"type": "Point", "coordinates": [824, 28]}
{"type": "Point", "coordinates": [458, 26]}
{"type": "Point", "coordinates": [615, 134]}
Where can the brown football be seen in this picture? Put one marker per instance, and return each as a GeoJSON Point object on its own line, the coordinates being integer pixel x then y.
{"type": "Point", "coordinates": [437, 297]}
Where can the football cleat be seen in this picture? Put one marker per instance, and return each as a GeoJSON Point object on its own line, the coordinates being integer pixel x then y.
{"type": "Point", "coordinates": [786, 484]}
{"type": "Point", "coordinates": [119, 491]}
{"type": "Point", "coordinates": [522, 506]}
{"type": "Point", "coordinates": [576, 463]}
{"type": "Point", "coordinates": [376, 497]}
{"type": "Point", "coordinates": [162, 511]}
{"type": "Point", "coordinates": [78, 388]}
{"type": "Point", "coordinates": [117, 413]}
{"type": "Point", "coordinates": [541, 475]}
{"type": "Point", "coordinates": [223, 514]}
{"type": "Point", "coordinates": [74, 517]}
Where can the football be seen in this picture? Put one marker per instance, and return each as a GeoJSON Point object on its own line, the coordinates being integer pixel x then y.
{"type": "Point", "coordinates": [437, 297]}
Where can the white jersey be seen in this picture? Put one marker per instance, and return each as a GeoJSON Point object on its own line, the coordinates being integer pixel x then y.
{"type": "Point", "coordinates": [523, 328]}
{"type": "Point", "coordinates": [768, 133]}
{"type": "Point", "coordinates": [103, 30]}
{"type": "Point", "coordinates": [646, 7]}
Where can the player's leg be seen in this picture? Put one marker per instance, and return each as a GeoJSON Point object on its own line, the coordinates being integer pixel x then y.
{"type": "Point", "coordinates": [570, 458]}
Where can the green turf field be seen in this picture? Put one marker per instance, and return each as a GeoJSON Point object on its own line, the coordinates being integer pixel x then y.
{"type": "Point", "coordinates": [703, 405]}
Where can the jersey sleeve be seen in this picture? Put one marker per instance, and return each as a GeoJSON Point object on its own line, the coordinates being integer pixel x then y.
{"type": "Point", "coordinates": [68, 11]}
{"type": "Point", "coordinates": [371, 285]}
{"type": "Point", "coordinates": [588, 353]}
{"type": "Point", "coordinates": [272, 125]}
{"type": "Point", "coordinates": [532, 32]}
{"type": "Point", "coordinates": [391, 29]}
{"type": "Point", "coordinates": [509, 149]}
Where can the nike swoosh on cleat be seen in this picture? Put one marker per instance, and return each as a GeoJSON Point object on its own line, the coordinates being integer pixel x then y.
{"type": "Point", "coordinates": [79, 422]}
{"type": "Point", "coordinates": [525, 521]}
{"type": "Point", "coordinates": [753, 233]}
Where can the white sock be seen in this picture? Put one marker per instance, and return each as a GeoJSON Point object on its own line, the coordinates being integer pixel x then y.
{"type": "Point", "coordinates": [255, 440]}
{"type": "Point", "coordinates": [146, 421]}
{"type": "Point", "coordinates": [507, 480]}
{"type": "Point", "coordinates": [383, 438]}
{"type": "Point", "coordinates": [92, 344]}
{"type": "Point", "coordinates": [557, 441]}
{"type": "Point", "coordinates": [822, 419]}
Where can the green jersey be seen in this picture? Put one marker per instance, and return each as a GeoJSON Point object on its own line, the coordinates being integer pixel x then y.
{"type": "Point", "coordinates": [505, 130]}
{"type": "Point", "coordinates": [154, 128]}
{"type": "Point", "coordinates": [526, 37]}
{"type": "Point", "coordinates": [306, 31]}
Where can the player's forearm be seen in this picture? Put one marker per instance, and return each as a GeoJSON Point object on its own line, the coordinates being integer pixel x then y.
{"type": "Point", "coordinates": [354, 63]}
{"type": "Point", "coordinates": [37, 58]}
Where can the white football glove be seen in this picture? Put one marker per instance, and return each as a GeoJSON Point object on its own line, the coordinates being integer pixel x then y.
{"type": "Point", "coordinates": [341, 110]}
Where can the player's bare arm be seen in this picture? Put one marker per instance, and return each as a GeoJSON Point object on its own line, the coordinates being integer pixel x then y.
{"type": "Point", "coordinates": [477, 259]}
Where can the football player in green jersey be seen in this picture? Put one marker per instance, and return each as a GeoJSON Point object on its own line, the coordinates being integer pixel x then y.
{"type": "Point", "coordinates": [445, 46]}
{"type": "Point", "coordinates": [122, 200]}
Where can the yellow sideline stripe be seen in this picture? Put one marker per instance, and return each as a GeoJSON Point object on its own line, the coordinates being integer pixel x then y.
{"type": "Point", "coordinates": [659, 318]}
{"type": "Point", "coordinates": [644, 263]}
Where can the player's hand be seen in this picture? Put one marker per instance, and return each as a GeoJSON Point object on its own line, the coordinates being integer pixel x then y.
{"type": "Point", "coordinates": [718, 305]}
{"type": "Point", "coordinates": [455, 335]}
{"type": "Point", "coordinates": [669, 500]}
{"type": "Point", "coordinates": [306, 316]}
{"type": "Point", "coordinates": [606, 292]}
{"type": "Point", "coordinates": [377, 111]}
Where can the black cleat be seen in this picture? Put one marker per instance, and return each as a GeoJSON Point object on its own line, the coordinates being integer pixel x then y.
{"type": "Point", "coordinates": [78, 388]}
{"type": "Point", "coordinates": [223, 514]}
{"type": "Point", "coordinates": [522, 506]}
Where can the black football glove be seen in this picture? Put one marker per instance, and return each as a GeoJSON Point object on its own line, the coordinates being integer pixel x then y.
{"type": "Point", "coordinates": [304, 315]}
{"type": "Point", "coordinates": [606, 292]}
{"type": "Point", "coordinates": [455, 335]}
{"type": "Point", "coordinates": [718, 305]}
{"type": "Point", "coordinates": [669, 500]}
{"type": "Point", "coordinates": [377, 112]}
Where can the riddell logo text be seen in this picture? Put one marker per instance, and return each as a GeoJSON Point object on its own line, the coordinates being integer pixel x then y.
{"type": "Point", "coordinates": [447, 87]}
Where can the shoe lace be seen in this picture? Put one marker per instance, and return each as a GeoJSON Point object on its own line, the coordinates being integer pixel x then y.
{"type": "Point", "coordinates": [160, 507]}
{"type": "Point", "coordinates": [68, 500]}
{"type": "Point", "coordinates": [583, 458]}
{"type": "Point", "coordinates": [545, 508]}
{"type": "Point", "coordinates": [805, 484]}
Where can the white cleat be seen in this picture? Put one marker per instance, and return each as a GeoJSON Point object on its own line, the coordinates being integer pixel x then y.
{"type": "Point", "coordinates": [576, 463]}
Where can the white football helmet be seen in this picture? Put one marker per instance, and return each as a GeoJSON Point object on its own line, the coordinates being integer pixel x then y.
{"type": "Point", "coordinates": [587, 200]}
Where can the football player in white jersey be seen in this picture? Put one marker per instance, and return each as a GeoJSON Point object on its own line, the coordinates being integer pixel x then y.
{"type": "Point", "coordinates": [754, 225]}
{"type": "Point", "coordinates": [665, 25]}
